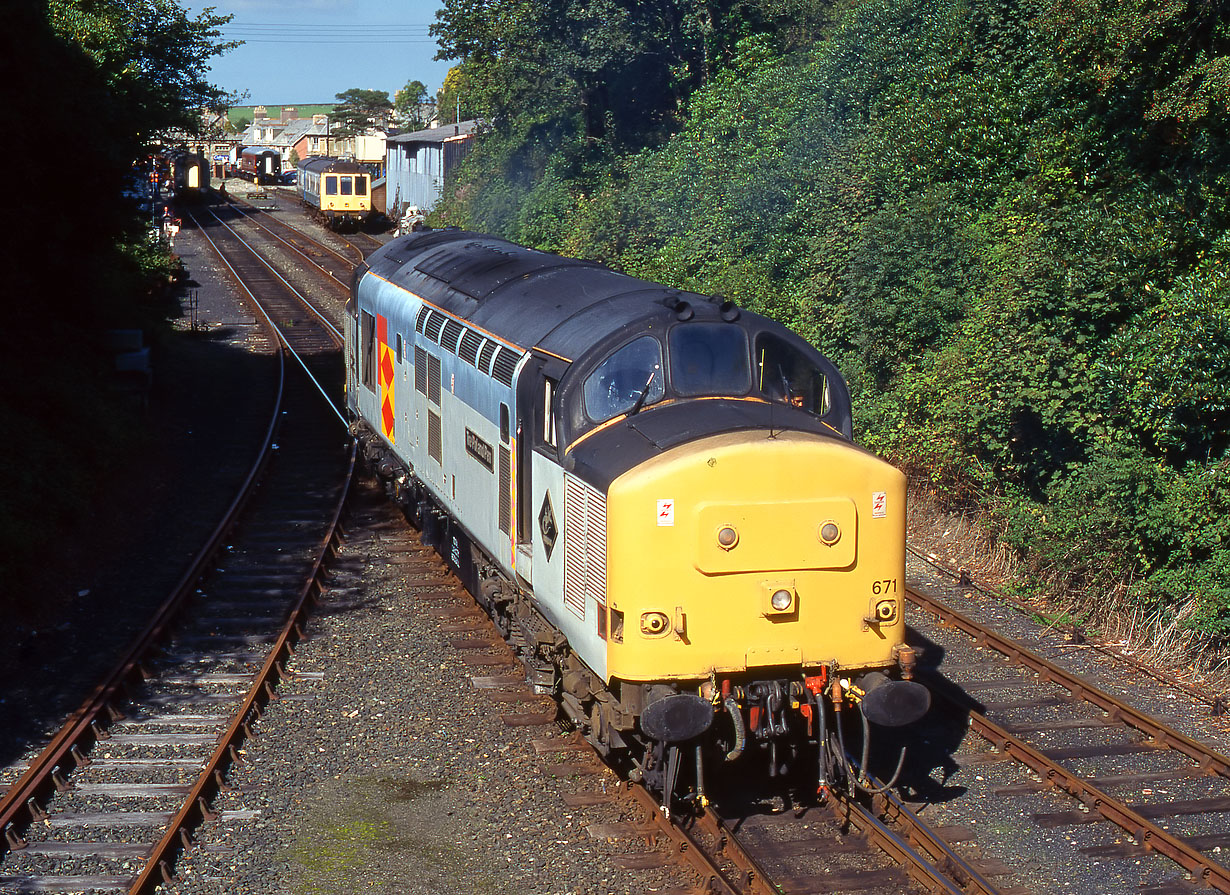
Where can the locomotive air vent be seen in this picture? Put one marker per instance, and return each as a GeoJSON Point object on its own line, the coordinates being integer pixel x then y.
{"type": "Point", "coordinates": [471, 342]}
{"type": "Point", "coordinates": [505, 365]}
{"type": "Point", "coordinates": [452, 332]}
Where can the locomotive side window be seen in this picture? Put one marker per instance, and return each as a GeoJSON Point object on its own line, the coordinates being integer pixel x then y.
{"type": "Point", "coordinates": [331, 185]}
{"type": "Point", "coordinates": [709, 359]}
{"type": "Point", "coordinates": [548, 411]}
{"type": "Point", "coordinates": [367, 338]}
{"type": "Point", "coordinates": [783, 373]}
{"type": "Point", "coordinates": [618, 383]}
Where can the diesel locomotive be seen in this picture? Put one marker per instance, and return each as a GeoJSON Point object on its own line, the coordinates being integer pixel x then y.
{"type": "Point", "coordinates": [656, 496]}
{"type": "Point", "coordinates": [337, 191]}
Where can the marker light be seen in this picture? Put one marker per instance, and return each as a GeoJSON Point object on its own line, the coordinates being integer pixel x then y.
{"type": "Point", "coordinates": [830, 534]}
{"type": "Point", "coordinates": [781, 600]}
{"type": "Point", "coordinates": [654, 622]}
{"type": "Point", "coordinates": [727, 537]}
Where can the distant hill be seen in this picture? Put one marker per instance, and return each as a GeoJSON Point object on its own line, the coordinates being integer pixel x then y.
{"type": "Point", "coordinates": [305, 110]}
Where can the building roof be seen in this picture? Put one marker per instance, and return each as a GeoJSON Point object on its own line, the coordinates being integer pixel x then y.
{"type": "Point", "coordinates": [438, 134]}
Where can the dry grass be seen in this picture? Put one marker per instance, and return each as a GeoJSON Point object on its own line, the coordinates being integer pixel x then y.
{"type": "Point", "coordinates": [963, 539]}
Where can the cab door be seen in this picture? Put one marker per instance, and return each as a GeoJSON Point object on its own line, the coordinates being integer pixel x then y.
{"type": "Point", "coordinates": [540, 481]}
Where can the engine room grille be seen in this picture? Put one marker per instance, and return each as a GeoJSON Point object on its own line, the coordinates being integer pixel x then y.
{"type": "Point", "coordinates": [470, 344]}
{"type": "Point", "coordinates": [505, 365]}
{"type": "Point", "coordinates": [434, 436]}
{"type": "Point", "coordinates": [584, 546]}
{"type": "Point", "coordinates": [435, 323]}
{"type": "Point", "coordinates": [422, 318]}
{"type": "Point", "coordinates": [505, 490]}
{"type": "Point", "coordinates": [452, 332]}
{"type": "Point", "coordinates": [433, 379]}
{"type": "Point", "coordinates": [420, 370]}
{"type": "Point", "coordinates": [484, 359]}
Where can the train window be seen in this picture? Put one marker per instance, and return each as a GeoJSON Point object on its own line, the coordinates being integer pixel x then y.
{"type": "Point", "coordinates": [367, 337]}
{"type": "Point", "coordinates": [618, 383]}
{"type": "Point", "coordinates": [548, 411]}
{"type": "Point", "coordinates": [709, 359]}
{"type": "Point", "coordinates": [331, 185]}
{"type": "Point", "coordinates": [785, 374]}
{"type": "Point", "coordinates": [504, 423]}
{"type": "Point", "coordinates": [399, 348]}
{"type": "Point", "coordinates": [347, 186]}
{"type": "Point", "coordinates": [360, 186]}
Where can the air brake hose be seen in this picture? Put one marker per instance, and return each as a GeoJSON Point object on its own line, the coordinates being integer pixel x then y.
{"type": "Point", "coordinates": [736, 716]}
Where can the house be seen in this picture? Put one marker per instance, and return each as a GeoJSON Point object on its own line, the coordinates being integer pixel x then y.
{"type": "Point", "coordinates": [421, 163]}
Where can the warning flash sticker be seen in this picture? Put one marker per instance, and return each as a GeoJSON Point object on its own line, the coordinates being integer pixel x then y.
{"type": "Point", "coordinates": [666, 511]}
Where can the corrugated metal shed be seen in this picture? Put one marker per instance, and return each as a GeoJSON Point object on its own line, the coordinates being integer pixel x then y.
{"type": "Point", "coordinates": [420, 163]}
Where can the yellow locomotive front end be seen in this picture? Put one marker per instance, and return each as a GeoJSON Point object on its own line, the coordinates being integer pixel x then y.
{"type": "Point", "coordinates": [761, 574]}
{"type": "Point", "coordinates": [748, 551]}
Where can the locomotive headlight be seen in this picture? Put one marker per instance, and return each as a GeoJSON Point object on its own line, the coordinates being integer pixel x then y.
{"type": "Point", "coordinates": [830, 533]}
{"type": "Point", "coordinates": [727, 537]}
{"type": "Point", "coordinates": [654, 623]}
{"type": "Point", "coordinates": [779, 601]}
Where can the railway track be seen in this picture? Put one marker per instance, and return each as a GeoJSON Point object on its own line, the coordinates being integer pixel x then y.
{"type": "Point", "coordinates": [114, 796]}
{"type": "Point", "coordinates": [1136, 796]}
{"type": "Point", "coordinates": [358, 245]}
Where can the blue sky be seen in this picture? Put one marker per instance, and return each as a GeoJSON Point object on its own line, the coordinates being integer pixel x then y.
{"type": "Point", "coordinates": [307, 51]}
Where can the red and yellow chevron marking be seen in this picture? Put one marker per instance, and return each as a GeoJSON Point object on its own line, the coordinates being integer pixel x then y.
{"type": "Point", "coordinates": [385, 365]}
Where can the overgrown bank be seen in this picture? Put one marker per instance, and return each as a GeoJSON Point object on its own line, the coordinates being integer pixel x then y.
{"type": "Point", "coordinates": [76, 257]}
{"type": "Point", "coordinates": [1007, 222]}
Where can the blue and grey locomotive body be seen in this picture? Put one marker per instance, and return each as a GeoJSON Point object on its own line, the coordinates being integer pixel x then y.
{"type": "Point", "coordinates": [654, 494]}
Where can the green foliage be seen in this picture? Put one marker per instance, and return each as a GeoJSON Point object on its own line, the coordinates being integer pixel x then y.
{"type": "Point", "coordinates": [411, 105]}
{"type": "Point", "coordinates": [80, 262]}
{"type": "Point", "coordinates": [1006, 222]}
{"type": "Point", "coordinates": [360, 110]}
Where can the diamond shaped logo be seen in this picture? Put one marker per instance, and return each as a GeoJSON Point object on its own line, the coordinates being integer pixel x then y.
{"type": "Point", "coordinates": [546, 525]}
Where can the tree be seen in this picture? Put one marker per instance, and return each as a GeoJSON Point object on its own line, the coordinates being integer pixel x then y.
{"type": "Point", "coordinates": [412, 105]}
{"type": "Point", "coordinates": [360, 110]}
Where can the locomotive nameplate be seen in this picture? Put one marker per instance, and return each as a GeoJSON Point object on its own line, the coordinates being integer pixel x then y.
{"type": "Point", "coordinates": [480, 450]}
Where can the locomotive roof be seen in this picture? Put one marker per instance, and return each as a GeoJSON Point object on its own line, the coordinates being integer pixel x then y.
{"type": "Point", "coordinates": [258, 150]}
{"type": "Point", "coordinates": [529, 297]}
{"type": "Point", "coordinates": [322, 164]}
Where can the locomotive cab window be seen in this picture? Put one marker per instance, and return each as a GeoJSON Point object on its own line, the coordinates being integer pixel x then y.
{"type": "Point", "coordinates": [360, 186]}
{"type": "Point", "coordinates": [631, 375]}
{"type": "Point", "coordinates": [331, 185]}
{"type": "Point", "coordinates": [709, 359]}
{"type": "Point", "coordinates": [784, 374]}
{"type": "Point", "coordinates": [347, 186]}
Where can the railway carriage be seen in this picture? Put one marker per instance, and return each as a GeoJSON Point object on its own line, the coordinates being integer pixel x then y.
{"type": "Point", "coordinates": [260, 164]}
{"type": "Point", "coordinates": [189, 174]}
{"type": "Point", "coordinates": [338, 191]}
{"type": "Point", "coordinates": [655, 494]}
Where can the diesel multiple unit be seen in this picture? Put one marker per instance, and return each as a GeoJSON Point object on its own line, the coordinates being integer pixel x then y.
{"type": "Point", "coordinates": [655, 495]}
{"type": "Point", "coordinates": [339, 192]}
